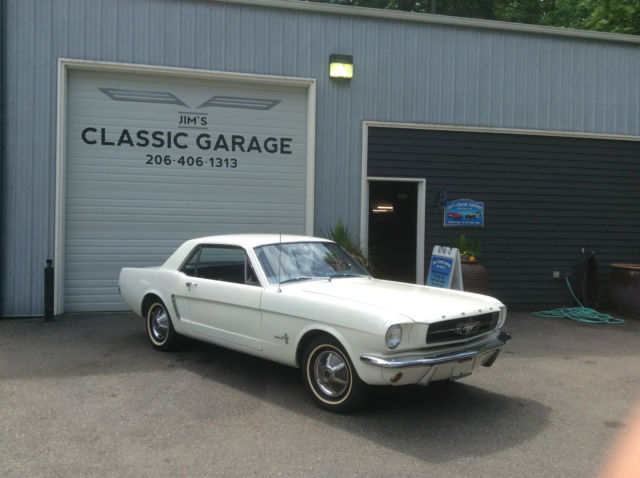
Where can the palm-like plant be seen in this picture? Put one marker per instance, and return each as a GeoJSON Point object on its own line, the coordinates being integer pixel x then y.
{"type": "Point", "coordinates": [342, 236]}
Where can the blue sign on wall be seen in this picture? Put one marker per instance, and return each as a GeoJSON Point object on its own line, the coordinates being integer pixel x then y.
{"type": "Point", "coordinates": [464, 212]}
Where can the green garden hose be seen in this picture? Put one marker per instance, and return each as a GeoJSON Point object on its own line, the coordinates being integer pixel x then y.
{"type": "Point", "coordinates": [581, 314]}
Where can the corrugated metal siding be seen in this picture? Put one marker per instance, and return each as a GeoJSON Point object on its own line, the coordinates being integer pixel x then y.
{"type": "Point", "coordinates": [545, 199]}
{"type": "Point", "coordinates": [404, 72]}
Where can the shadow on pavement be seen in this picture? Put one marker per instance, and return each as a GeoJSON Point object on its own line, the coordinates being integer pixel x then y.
{"type": "Point", "coordinates": [438, 423]}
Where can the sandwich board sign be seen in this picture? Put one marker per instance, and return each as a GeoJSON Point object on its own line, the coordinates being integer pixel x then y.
{"type": "Point", "coordinates": [445, 270]}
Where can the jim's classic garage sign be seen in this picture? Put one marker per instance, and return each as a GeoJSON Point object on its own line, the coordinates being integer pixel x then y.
{"type": "Point", "coordinates": [207, 149]}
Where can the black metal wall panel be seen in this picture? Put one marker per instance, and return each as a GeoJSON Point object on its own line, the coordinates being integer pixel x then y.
{"type": "Point", "coordinates": [545, 199]}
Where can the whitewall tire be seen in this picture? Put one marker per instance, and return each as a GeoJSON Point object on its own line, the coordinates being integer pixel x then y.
{"type": "Point", "coordinates": [330, 378]}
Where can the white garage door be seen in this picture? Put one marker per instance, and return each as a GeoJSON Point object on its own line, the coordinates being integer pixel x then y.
{"type": "Point", "coordinates": [153, 160]}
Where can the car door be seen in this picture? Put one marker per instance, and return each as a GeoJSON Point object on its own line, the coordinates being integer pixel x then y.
{"type": "Point", "coordinates": [223, 295]}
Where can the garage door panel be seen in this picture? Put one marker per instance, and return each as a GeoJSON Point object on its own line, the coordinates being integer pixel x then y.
{"type": "Point", "coordinates": [153, 160]}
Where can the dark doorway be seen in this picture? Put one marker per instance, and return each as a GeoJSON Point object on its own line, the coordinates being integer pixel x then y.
{"type": "Point", "coordinates": [393, 208]}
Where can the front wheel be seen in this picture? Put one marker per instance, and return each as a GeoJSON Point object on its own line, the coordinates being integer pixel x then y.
{"type": "Point", "coordinates": [330, 378]}
{"type": "Point", "coordinates": [159, 327]}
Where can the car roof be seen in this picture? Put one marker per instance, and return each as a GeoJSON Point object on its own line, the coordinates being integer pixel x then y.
{"type": "Point", "coordinates": [248, 241]}
{"type": "Point", "coordinates": [253, 240]}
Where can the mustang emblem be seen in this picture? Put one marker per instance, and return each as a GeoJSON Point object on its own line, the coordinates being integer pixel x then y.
{"type": "Point", "coordinates": [467, 329]}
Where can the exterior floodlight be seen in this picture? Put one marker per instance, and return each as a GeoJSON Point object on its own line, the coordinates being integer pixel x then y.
{"type": "Point", "coordinates": [341, 66]}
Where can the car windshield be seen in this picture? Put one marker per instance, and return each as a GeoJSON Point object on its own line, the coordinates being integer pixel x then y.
{"type": "Point", "coordinates": [297, 261]}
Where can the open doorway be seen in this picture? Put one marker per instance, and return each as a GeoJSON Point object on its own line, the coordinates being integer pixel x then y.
{"type": "Point", "coordinates": [396, 229]}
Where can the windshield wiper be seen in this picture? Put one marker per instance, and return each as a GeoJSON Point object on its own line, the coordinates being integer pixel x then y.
{"type": "Point", "coordinates": [348, 275]}
{"type": "Point", "coordinates": [297, 279]}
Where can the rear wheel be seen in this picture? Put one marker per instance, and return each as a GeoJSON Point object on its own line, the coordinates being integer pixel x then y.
{"type": "Point", "coordinates": [159, 327]}
{"type": "Point", "coordinates": [330, 378]}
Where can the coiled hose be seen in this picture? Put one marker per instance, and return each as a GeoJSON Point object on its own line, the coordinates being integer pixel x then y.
{"type": "Point", "coordinates": [581, 314]}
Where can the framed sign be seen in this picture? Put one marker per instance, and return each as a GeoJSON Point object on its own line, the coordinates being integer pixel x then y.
{"type": "Point", "coordinates": [445, 270]}
{"type": "Point", "coordinates": [464, 212]}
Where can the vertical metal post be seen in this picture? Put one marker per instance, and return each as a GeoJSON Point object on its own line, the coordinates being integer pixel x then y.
{"type": "Point", "coordinates": [48, 291]}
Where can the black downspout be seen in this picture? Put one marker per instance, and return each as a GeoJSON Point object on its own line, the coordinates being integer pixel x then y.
{"type": "Point", "coordinates": [48, 291]}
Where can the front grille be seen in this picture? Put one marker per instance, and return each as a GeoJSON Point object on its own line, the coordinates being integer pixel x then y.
{"type": "Point", "coordinates": [462, 328]}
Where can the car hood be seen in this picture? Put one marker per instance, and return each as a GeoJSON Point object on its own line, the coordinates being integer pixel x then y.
{"type": "Point", "coordinates": [419, 303]}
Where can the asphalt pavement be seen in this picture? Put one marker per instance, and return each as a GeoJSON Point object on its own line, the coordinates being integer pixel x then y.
{"type": "Point", "coordinates": [86, 395]}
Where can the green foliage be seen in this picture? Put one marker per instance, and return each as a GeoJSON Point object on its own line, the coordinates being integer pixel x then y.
{"type": "Point", "coordinates": [463, 8]}
{"type": "Point", "coordinates": [342, 236]}
{"type": "Point", "coordinates": [523, 11]}
{"type": "Point", "coordinates": [468, 247]}
{"type": "Point", "coordinates": [616, 16]}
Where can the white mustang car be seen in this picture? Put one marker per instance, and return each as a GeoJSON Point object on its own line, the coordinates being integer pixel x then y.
{"type": "Point", "coordinates": [305, 302]}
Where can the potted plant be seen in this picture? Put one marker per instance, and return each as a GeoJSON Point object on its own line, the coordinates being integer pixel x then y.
{"type": "Point", "coordinates": [341, 235]}
{"type": "Point", "coordinates": [475, 277]}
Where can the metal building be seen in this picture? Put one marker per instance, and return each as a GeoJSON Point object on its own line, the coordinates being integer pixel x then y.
{"type": "Point", "coordinates": [128, 127]}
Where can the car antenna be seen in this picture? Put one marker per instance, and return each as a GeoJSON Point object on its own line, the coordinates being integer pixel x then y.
{"type": "Point", "coordinates": [279, 261]}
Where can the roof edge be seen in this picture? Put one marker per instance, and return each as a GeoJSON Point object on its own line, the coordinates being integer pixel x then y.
{"type": "Point", "coordinates": [436, 19]}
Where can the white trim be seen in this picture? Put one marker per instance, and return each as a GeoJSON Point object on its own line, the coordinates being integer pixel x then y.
{"type": "Point", "coordinates": [364, 190]}
{"type": "Point", "coordinates": [496, 130]}
{"type": "Point", "coordinates": [420, 218]}
{"type": "Point", "coordinates": [311, 157]}
{"type": "Point", "coordinates": [185, 72]}
{"type": "Point", "coordinates": [436, 19]}
{"type": "Point", "coordinates": [58, 260]}
{"type": "Point", "coordinates": [64, 64]}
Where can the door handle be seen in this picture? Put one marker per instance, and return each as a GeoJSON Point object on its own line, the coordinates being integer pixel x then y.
{"type": "Point", "coordinates": [189, 284]}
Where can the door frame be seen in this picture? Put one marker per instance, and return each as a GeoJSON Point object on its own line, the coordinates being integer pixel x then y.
{"type": "Point", "coordinates": [364, 202]}
{"type": "Point", "coordinates": [420, 217]}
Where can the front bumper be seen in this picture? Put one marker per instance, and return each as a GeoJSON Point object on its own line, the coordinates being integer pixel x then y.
{"type": "Point", "coordinates": [423, 368]}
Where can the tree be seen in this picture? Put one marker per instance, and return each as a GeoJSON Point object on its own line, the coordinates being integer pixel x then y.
{"type": "Point", "coordinates": [523, 11]}
{"type": "Point", "coordinates": [617, 16]}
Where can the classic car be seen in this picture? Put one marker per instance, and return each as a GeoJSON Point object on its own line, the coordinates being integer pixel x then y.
{"type": "Point", "coordinates": [305, 302]}
{"type": "Point", "coordinates": [456, 216]}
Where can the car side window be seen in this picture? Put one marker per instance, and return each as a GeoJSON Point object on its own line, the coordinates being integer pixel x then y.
{"type": "Point", "coordinates": [191, 266]}
{"type": "Point", "coordinates": [223, 263]}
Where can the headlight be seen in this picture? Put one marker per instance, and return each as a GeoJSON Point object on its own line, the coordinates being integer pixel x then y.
{"type": "Point", "coordinates": [393, 336]}
{"type": "Point", "coordinates": [503, 317]}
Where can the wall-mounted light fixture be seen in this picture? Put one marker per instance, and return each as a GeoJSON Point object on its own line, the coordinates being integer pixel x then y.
{"type": "Point", "coordinates": [341, 66]}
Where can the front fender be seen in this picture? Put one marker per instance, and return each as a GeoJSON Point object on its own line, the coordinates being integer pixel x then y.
{"type": "Point", "coordinates": [353, 341]}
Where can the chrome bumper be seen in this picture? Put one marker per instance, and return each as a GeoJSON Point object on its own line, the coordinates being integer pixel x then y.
{"type": "Point", "coordinates": [494, 344]}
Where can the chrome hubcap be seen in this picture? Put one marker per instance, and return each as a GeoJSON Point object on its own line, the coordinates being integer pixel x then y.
{"type": "Point", "coordinates": [331, 373]}
{"type": "Point", "coordinates": [159, 324]}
